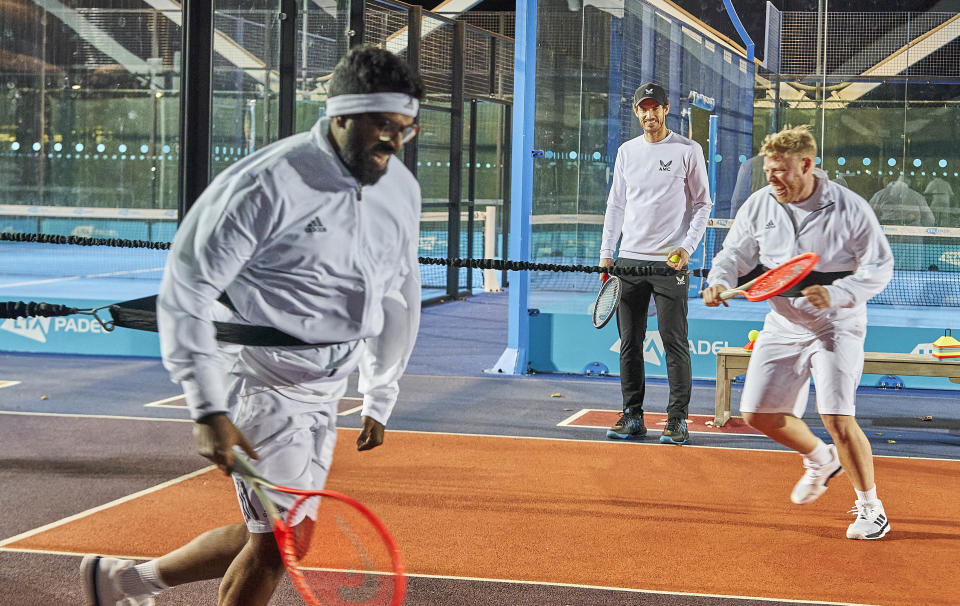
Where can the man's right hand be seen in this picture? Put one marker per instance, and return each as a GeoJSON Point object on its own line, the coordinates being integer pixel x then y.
{"type": "Point", "coordinates": [215, 438]}
{"type": "Point", "coordinates": [711, 296]}
{"type": "Point", "coordinates": [605, 262]}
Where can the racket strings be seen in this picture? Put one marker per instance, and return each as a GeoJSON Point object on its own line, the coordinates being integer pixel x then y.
{"type": "Point", "coordinates": [341, 558]}
{"type": "Point", "coordinates": [607, 301]}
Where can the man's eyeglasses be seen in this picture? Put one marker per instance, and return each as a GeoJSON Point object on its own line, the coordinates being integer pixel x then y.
{"type": "Point", "coordinates": [390, 129]}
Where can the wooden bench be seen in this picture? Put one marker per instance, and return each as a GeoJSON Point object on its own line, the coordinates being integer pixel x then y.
{"type": "Point", "coordinates": [732, 362]}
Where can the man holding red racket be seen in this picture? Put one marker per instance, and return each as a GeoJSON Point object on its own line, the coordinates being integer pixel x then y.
{"type": "Point", "coordinates": [815, 329]}
{"type": "Point", "coordinates": [312, 240]}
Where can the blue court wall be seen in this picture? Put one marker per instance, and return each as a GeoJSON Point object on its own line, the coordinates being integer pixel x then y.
{"type": "Point", "coordinates": [568, 343]}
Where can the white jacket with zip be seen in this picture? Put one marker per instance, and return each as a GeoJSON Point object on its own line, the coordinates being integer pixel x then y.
{"type": "Point", "coordinates": [299, 246]}
{"type": "Point", "coordinates": [843, 230]}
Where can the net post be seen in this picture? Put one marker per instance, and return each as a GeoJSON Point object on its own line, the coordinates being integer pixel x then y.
{"type": "Point", "coordinates": [490, 281]}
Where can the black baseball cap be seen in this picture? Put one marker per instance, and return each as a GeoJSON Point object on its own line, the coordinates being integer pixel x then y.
{"type": "Point", "coordinates": [650, 90]}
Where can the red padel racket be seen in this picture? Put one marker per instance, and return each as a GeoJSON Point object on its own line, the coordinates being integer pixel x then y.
{"type": "Point", "coordinates": [345, 557]}
{"type": "Point", "coordinates": [777, 280]}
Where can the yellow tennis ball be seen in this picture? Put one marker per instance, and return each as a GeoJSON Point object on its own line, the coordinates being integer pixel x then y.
{"type": "Point", "coordinates": [674, 259]}
{"type": "Point", "coordinates": [753, 334]}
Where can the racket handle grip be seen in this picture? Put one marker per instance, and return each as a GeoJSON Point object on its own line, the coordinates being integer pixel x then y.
{"type": "Point", "coordinates": [241, 464]}
{"type": "Point", "coordinates": [729, 294]}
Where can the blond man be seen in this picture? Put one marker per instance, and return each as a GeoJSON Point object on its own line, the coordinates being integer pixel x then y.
{"type": "Point", "coordinates": [816, 329]}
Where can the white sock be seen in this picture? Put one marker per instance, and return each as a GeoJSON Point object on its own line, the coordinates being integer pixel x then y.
{"type": "Point", "coordinates": [868, 496]}
{"type": "Point", "coordinates": [142, 579]}
{"type": "Point", "coordinates": [820, 455]}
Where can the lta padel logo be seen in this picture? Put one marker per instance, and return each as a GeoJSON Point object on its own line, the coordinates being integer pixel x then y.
{"type": "Point", "coordinates": [38, 329]}
{"type": "Point", "coordinates": [654, 353]}
{"type": "Point", "coordinates": [652, 348]}
{"type": "Point", "coordinates": [35, 329]}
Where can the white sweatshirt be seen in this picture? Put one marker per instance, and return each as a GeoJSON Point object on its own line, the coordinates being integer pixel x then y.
{"type": "Point", "coordinates": [297, 245]}
{"type": "Point", "coordinates": [659, 199]}
{"type": "Point", "coordinates": [840, 227]}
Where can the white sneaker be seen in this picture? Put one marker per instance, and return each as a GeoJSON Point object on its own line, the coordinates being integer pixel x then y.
{"type": "Point", "coordinates": [101, 578]}
{"type": "Point", "coordinates": [814, 480]}
{"type": "Point", "coordinates": [871, 522]}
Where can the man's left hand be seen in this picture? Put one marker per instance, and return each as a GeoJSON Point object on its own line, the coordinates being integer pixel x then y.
{"type": "Point", "coordinates": [680, 256]}
{"type": "Point", "coordinates": [371, 435]}
{"type": "Point", "coordinates": [818, 296]}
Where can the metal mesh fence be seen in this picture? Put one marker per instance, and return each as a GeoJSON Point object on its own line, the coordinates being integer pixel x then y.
{"type": "Point", "coordinates": [869, 44]}
{"type": "Point", "coordinates": [386, 26]}
{"type": "Point", "coordinates": [125, 37]}
{"type": "Point", "coordinates": [476, 56]}
{"type": "Point", "coordinates": [498, 22]}
{"type": "Point", "coordinates": [488, 66]}
{"type": "Point", "coordinates": [504, 69]}
{"type": "Point", "coordinates": [436, 59]}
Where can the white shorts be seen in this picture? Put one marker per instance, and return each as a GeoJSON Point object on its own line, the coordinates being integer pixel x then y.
{"type": "Point", "coordinates": [780, 368]}
{"type": "Point", "coordinates": [293, 428]}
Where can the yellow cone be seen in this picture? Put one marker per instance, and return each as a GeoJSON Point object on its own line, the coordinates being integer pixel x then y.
{"type": "Point", "coordinates": [946, 347]}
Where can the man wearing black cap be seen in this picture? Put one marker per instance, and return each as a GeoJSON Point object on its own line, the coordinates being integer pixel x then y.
{"type": "Point", "coordinates": [658, 208]}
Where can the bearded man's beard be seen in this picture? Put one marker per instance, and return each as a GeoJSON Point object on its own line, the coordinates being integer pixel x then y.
{"type": "Point", "coordinates": [360, 161]}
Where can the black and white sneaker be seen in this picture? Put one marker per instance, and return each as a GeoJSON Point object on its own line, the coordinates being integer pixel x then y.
{"type": "Point", "coordinates": [871, 522]}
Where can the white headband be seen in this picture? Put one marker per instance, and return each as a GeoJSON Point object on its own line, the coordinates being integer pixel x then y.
{"type": "Point", "coordinates": [388, 103]}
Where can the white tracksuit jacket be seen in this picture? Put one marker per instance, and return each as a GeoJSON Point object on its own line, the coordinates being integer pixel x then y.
{"type": "Point", "coordinates": [843, 230]}
{"type": "Point", "coordinates": [297, 245]}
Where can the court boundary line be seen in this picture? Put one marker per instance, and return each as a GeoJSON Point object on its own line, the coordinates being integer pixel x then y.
{"type": "Point", "coordinates": [74, 415]}
{"type": "Point", "coordinates": [504, 581]}
{"type": "Point", "coordinates": [8, 383]}
{"type": "Point", "coordinates": [160, 404]}
{"type": "Point", "coordinates": [627, 443]}
{"type": "Point", "coordinates": [104, 507]}
{"type": "Point", "coordinates": [568, 422]}
{"type": "Point", "coordinates": [633, 590]}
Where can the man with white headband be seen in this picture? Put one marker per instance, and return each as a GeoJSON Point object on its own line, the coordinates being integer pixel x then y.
{"type": "Point", "coordinates": [313, 241]}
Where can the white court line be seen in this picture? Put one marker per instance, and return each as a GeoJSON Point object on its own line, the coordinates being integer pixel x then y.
{"type": "Point", "coordinates": [89, 416]}
{"type": "Point", "coordinates": [351, 410]}
{"type": "Point", "coordinates": [599, 443]}
{"type": "Point", "coordinates": [631, 590]}
{"type": "Point", "coordinates": [69, 278]}
{"type": "Point", "coordinates": [83, 514]}
{"type": "Point", "coordinates": [506, 581]}
{"type": "Point", "coordinates": [123, 273]}
{"type": "Point", "coordinates": [163, 404]}
{"type": "Point", "coordinates": [50, 281]}
{"type": "Point", "coordinates": [8, 384]}
{"type": "Point", "coordinates": [569, 422]}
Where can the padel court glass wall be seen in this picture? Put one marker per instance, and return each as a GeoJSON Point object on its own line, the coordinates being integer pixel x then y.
{"type": "Point", "coordinates": [879, 91]}
{"type": "Point", "coordinates": [884, 105]}
{"type": "Point", "coordinates": [881, 100]}
{"type": "Point", "coordinates": [461, 155]}
{"type": "Point", "coordinates": [589, 63]}
{"type": "Point", "coordinates": [90, 139]}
